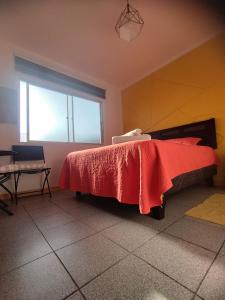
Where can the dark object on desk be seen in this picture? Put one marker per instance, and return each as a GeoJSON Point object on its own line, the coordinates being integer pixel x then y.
{"type": "Point", "coordinates": [30, 154]}
{"type": "Point", "coordinates": [4, 177]}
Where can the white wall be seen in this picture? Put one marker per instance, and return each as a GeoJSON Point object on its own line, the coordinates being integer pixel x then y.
{"type": "Point", "coordinates": [54, 152]}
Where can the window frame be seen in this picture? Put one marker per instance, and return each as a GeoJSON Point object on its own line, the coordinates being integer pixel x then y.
{"type": "Point", "coordinates": [63, 90]}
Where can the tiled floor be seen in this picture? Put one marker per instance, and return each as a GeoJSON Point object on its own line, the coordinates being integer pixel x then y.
{"type": "Point", "coordinates": [65, 248]}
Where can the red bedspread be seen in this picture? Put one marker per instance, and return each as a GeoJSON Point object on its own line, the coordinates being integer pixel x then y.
{"type": "Point", "coordinates": [137, 172]}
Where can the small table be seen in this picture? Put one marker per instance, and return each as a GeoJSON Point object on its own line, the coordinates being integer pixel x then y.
{"type": "Point", "coordinates": [4, 177]}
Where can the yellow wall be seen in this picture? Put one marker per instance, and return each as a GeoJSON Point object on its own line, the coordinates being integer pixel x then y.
{"type": "Point", "coordinates": [190, 89]}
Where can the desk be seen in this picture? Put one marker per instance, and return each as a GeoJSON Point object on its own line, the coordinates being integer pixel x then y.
{"type": "Point", "coordinates": [4, 177]}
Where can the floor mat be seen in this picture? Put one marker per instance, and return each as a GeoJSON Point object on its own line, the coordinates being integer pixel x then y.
{"type": "Point", "coordinates": [212, 210]}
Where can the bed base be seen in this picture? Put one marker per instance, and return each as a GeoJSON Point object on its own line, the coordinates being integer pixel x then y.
{"type": "Point", "coordinates": [201, 176]}
{"type": "Point", "coordinates": [78, 195]}
{"type": "Point", "coordinates": [158, 212]}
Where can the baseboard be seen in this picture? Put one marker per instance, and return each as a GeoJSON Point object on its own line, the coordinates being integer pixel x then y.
{"type": "Point", "coordinates": [29, 192]}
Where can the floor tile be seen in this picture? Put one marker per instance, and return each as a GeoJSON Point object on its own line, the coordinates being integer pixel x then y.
{"type": "Point", "coordinates": [129, 234]}
{"type": "Point", "coordinates": [16, 231]}
{"type": "Point", "coordinates": [76, 296]}
{"type": "Point", "coordinates": [21, 249]}
{"type": "Point", "coordinates": [65, 200]}
{"type": "Point", "coordinates": [205, 234]}
{"type": "Point", "coordinates": [61, 236]}
{"type": "Point", "coordinates": [213, 286]}
{"type": "Point", "coordinates": [188, 198]}
{"type": "Point", "coordinates": [177, 259]}
{"type": "Point", "coordinates": [45, 211]}
{"type": "Point", "coordinates": [86, 253]}
{"type": "Point", "coordinates": [223, 250]}
{"type": "Point", "coordinates": [67, 204]}
{"type": "Point", "coordinates": [36, 202]}
{"type": "Point", "coordinates": [20, 216]}
{"type": "Point", "coordinates": [89, 257]}
{"type": "Point", "coordinates": [15, 227]}
{"type": "Point", "coordinates": [192, 196]}
{"type": "Point", "coordinates": [52, 221]}
{"type": "Point", "coordinates": [44, 278]}
{"type": "Point", "coordinates": [81, 212]}
{"type": "Point", "coordinates": [102, 220]}
{"type": "Point", "coordinates": [133, 279]}
{"type": "Point", "coordinates": [158, 225]}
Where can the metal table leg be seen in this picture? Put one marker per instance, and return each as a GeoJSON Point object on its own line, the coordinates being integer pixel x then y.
{"type": "Point", "coordinates": [3, 205]}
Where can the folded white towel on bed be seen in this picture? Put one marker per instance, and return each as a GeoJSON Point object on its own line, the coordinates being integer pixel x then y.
{"type": "Point", "coordinates": [134, 132]}
{"type": "Point", "coordinates": [123, 138]}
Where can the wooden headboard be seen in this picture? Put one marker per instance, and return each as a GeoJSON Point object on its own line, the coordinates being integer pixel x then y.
{"type": "Point", "coordinates": [204, 129]}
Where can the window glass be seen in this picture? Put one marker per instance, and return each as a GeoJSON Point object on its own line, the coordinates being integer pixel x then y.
{"type": "Point", "coordinates": [70, 118]}
{"type": "Point", "coordinates": [47, 115]}
{"type": "Point", "coordinates": [87, 121]}
{"type": "Point", "coordinates": [23, 111]}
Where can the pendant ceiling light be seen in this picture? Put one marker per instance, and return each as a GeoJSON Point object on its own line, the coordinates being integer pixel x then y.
{"type": "Point", "coordinates": [129, 24]}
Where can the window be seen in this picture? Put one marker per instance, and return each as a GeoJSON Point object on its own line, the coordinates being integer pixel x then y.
{"type": "Point", "coordinates": [48, 115]}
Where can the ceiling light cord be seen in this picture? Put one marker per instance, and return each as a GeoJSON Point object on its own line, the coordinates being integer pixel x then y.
{"type": "Point", "coordinates": [128, 6]}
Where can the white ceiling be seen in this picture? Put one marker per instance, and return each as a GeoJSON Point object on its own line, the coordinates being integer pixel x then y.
{"type": "Point", "coordinates": [80, 34]}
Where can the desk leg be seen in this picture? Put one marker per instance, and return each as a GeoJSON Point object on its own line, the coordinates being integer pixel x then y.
{"type": "Point", "coordinates": [16, 180]}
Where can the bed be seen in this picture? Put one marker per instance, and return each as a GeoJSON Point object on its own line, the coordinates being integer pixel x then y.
{"type": "Point", "coordinates": [144, 172]}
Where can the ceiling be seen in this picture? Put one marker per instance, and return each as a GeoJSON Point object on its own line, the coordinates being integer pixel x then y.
{"type": "Point", "coordinates": [80, 34]}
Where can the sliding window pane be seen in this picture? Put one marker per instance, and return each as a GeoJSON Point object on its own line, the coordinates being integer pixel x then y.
{"type": "Point", "coordinates": [87, 121]}
{"type": "Point", "coordinates": [70, 119]}
{"type": "Point", "coordinates": [47, 115]}
{"type": "Point", "coordinates": [23, 111]}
